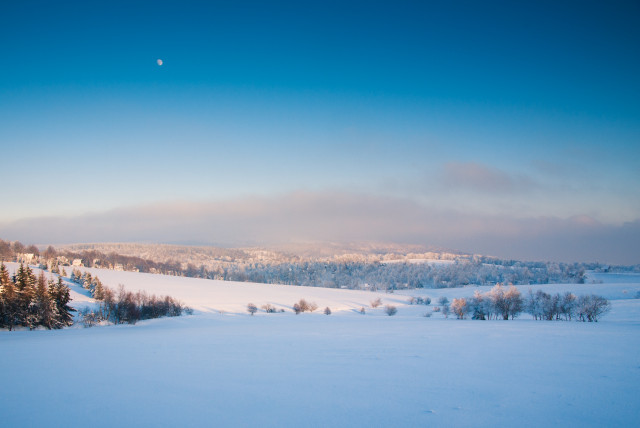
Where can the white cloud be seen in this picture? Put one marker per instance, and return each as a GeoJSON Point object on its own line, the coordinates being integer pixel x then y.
{"type": "Point", "coordinates": [481, 178]}
{"type": "Point", "coordinates": [341, 216]}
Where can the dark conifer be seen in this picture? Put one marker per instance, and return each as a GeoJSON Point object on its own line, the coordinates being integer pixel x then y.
{"type": "Point", "coordinates": [44, 307]}
{"type": "Point", "coordinates": [61, 297]}
{"type": "Point", "coordinates": [10, 315]}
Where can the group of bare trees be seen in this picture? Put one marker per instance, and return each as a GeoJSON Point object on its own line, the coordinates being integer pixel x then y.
{"type": "Point", "coordinates": [508, 303]}
{"type": "Point", "coordinates": [567, 306]}
{"type": "Point", "coordinates": [127, 307]}
{"type": "Point", "coordinates": [30, 301]}
{"type": "Point", "coordinates": [303, 306]}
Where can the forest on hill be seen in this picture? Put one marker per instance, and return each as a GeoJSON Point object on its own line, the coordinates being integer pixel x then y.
{"type": "Point", "coordinates": [360, 269]}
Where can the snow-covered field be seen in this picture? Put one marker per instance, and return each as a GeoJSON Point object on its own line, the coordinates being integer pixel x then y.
{"type": "Point", "coordinates": [223, 367]}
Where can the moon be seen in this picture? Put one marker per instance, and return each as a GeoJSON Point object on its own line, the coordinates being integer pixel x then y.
{"type": "Point", "coordinates": [159, 61]}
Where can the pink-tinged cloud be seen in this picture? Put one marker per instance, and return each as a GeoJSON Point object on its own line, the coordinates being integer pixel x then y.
{"type": "Point", "coordinates": [341, 217]}
{"type": "Point", "coordinates": [481, 178]}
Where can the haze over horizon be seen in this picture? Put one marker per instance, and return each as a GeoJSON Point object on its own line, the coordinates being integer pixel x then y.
{"type": "Point", "coordinates": [501, 128]}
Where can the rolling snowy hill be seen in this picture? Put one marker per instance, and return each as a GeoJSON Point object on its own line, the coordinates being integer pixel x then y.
{"type": "Point", "coordinates": [223, 367]}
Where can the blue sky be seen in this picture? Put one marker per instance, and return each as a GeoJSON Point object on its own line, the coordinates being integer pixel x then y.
{"type": "Point", "coordinates": [484, 112]}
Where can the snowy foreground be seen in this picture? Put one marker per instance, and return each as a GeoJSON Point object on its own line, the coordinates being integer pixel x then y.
{"type": "Point", "coordinates": [223, 367]}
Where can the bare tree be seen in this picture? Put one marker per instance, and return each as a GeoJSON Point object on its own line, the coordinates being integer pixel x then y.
{"type": "Point", "coordinates": [296, 308]}
{"type": "Point", "coordinates": [252, 309]}
{"type": "Point", "coordinates": [269, 308]}
{"type": "Point", "coordinates": [592, 307]}
{"type": "Point", "coordinates": [460, 308]}
{"type": "Point", "coordinates": [50, 252]}
{"type": "Point", "coordinates": [513, 302]}
{"type": "Point", "coordinates": [445, 311]}
{"type": "Point", "coordinates": [304, 306]}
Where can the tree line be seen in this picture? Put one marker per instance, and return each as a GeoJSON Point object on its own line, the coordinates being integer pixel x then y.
{"type": "Point", "coordinates": [336, 273]}
{"type": "Point", "coordinates": [122, 306]}
{"type": "Point", "coordinates": [31, 301]}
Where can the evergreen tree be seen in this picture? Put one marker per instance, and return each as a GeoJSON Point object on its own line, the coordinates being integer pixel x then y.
{"type": "Point", "coordinates": [98, 290]}
{"type": "Point", "coordinates": [4, 276]}
{"type": "Point", "coordinates": [44, 307]}
{"type": "Point", "coordinates": [10, 315]}
{"type": "Point", "coordinates": [20, 277]}
{"type": "Point", "coordinates": [87, 281]}
{"type": "Point", "coordinates": [25, 287]}
{"type": "Point", "coordinates": [61, 296]}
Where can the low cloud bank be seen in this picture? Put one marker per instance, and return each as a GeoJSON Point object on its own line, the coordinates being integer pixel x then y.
{"type": "Point", "coordinates": [346, 217]}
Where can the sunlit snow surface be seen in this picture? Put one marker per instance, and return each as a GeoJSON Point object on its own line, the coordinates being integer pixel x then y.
{"type": "Point", "coordinates": [223, 367]}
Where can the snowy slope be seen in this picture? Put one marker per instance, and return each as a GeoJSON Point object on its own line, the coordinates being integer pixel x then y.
{"type": "Point", "coordinates": [231, 369]}
{"type": "Point", "coordinates": [232, 297]}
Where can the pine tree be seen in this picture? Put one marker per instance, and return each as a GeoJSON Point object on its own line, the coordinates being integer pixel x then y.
{"type": "Point", "coordinates": [10, 315]}
{"type": "Point", "coordinates": [20, 278]}
{"type": "Point", "coordinates": [25, 286]}
{"type": "Point", "coordinates": [44, 307]}
{"type": "Point", "coordinates": [87, 281]}
{"type": "Point", "coordinates": [4, 275]}
{"type": "Point", "coordinates": [98, 290]}
{"type": "Point", "coordinates": [61, 296]}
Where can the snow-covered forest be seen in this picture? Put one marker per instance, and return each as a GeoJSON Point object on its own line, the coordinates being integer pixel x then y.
{"type": "Point", "coordinates": [363, 269]}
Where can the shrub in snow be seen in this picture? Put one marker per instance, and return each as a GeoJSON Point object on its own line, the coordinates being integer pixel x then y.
{"type": "Point", "coordinates": [436, 309]}
{"type": "Point", "coordinates": [89, 318]}
{"type": "Point", "coordinates": [268, 308]}
{"type": "Point", "coordinates": [443, 301]}
{"type": "Point", "coordinates": [390, 310]}
{"type": "Point", "coordinates": [376, 303]}
{"type": "Point", "coordinates": [327, 311]}
{"type": "Point", "coordinates": [420, 300]}
{"type": "Point", "coordinates": [304, 306]}
{"type": "Point", "coordinates": [252, 309]}
{"type": "Point", "coordinates": [427, 314]}
{"type": "Point", "coordinates": [362, 311]}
